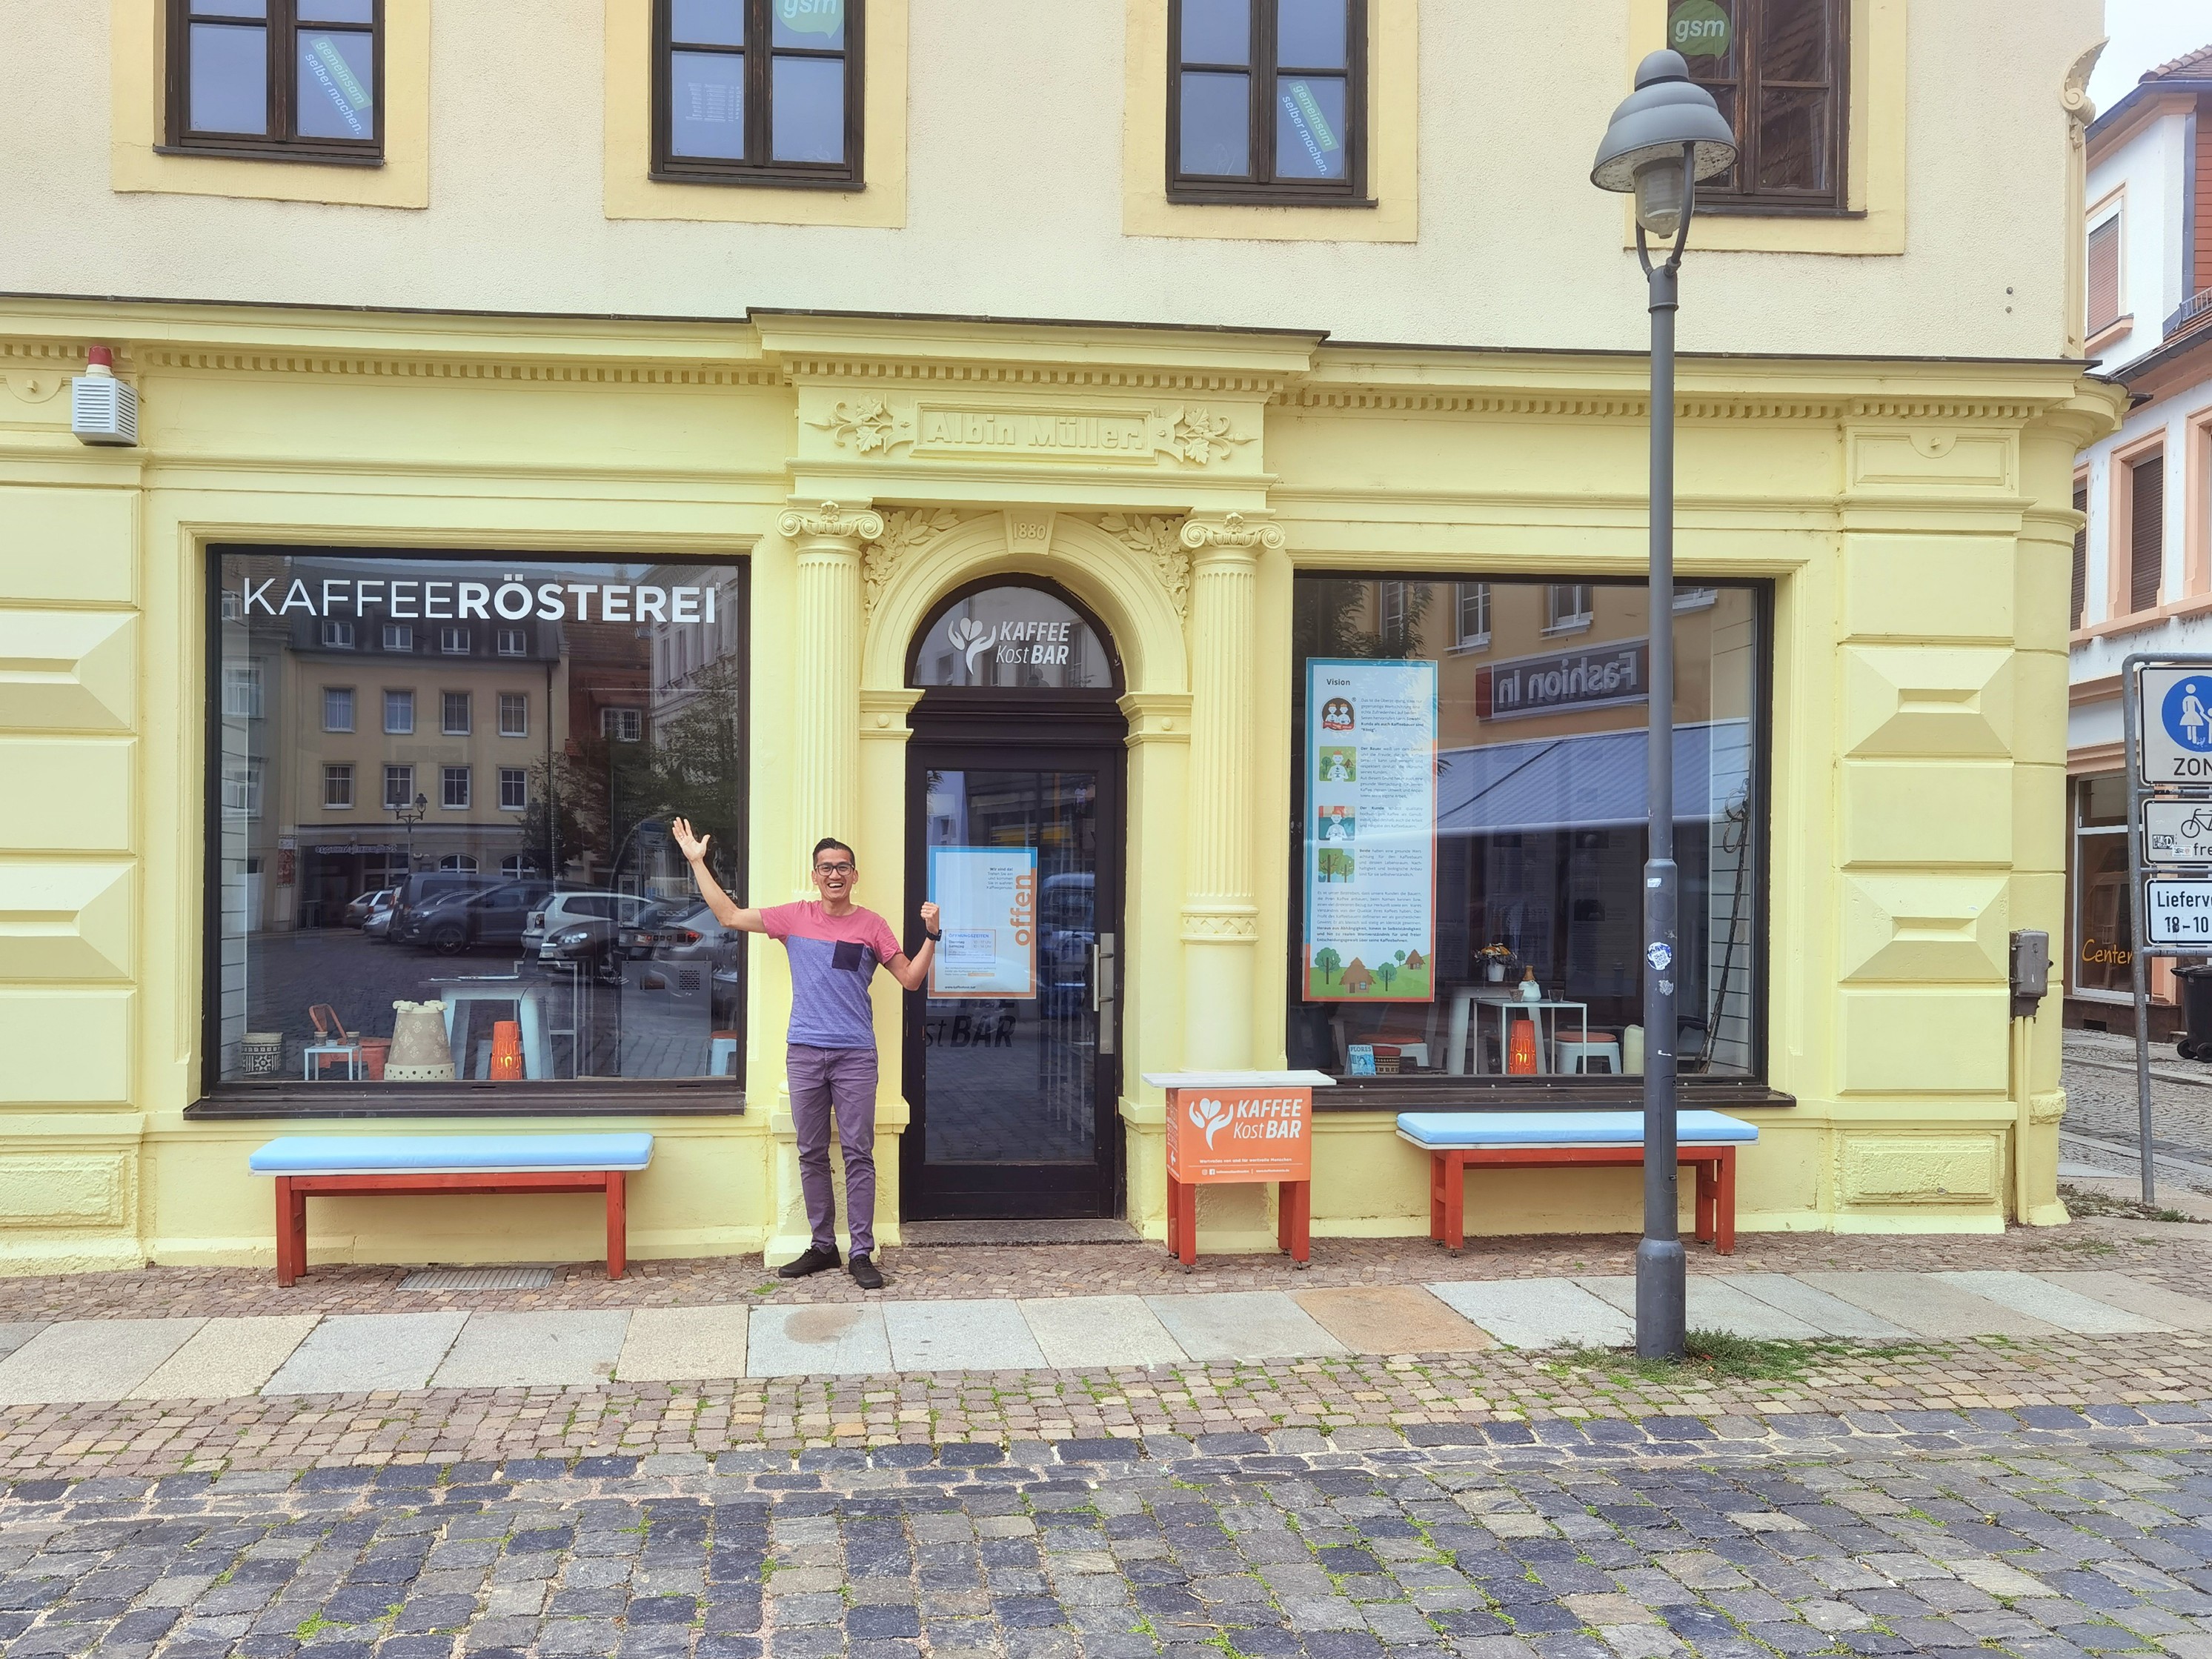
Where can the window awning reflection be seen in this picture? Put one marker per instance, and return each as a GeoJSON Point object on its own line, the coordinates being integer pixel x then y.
{"type": "Point", "coordinates": [1587, 782]}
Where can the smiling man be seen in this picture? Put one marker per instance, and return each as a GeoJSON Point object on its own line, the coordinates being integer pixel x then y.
{"type": "Point", "coordinates": [834, 947]}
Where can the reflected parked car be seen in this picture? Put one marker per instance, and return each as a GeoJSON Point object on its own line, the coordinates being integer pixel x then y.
{"type": "Point", "coordinates": [366, 905]}
{"type": "Point", "coordinates": [425, 888]}
{"type": "Point", "coordinates": [681, 930]}
{"type": "Point", "coordinates": [584, 927]}
{"type": "Point", "coordinates": [493, 919]}
{"type": "Point", "coordinates": [379, 924]}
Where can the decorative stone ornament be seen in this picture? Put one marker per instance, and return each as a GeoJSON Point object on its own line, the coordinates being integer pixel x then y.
{"type": "Point", "coordinates": [420, 1051]}
{"type": "Point", "coordinates": [1231, 532]}
{"type": "Point", "coordinates": [833, 523]}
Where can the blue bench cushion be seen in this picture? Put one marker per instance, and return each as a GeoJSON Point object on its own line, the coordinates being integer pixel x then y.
{"type": "Point", "coordinates": [1444, 1130]}
{"type": "Point", "coordinates": [449, 1154]}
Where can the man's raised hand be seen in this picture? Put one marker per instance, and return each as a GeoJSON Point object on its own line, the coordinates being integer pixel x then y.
{"type": "Point", "coordinates": [929, 917]}
{"type": "Point", "coordinates": [694, 848]}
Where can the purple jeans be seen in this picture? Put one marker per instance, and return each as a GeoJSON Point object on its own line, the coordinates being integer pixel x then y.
{"type": "Point", "coordinates": [842, 1081]}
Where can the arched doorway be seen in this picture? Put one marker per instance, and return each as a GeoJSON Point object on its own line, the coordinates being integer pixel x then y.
{"type": "Point", "coordinates": [1015, 826]}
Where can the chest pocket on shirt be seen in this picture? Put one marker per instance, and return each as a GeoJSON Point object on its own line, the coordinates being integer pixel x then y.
{"type": "Point", "coordinates": [849, 956]}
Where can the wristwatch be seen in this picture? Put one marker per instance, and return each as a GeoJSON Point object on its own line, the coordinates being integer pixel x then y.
{"type": "Point", "coordinates": [932, 938]}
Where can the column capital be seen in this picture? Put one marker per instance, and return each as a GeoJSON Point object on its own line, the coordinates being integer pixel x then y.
{"type": "Point", "coordinates": [1231, 533]}
{"type": "Point", "coordinates": [832, 522]}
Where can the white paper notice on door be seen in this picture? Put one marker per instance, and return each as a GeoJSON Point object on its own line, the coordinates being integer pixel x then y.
{"type": "Point", "coordinates": [986, 901]}
{"type": "Point", "coordinates": [1370, 830]}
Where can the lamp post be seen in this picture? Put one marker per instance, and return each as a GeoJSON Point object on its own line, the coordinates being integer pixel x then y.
{"type": "Point", "coordinates": [411, 816]}
{"type": "Point", "coordinates": [1665, 136]}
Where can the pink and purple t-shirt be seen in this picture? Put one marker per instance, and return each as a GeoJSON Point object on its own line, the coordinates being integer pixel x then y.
{"type": "Point", "coordinates": [833, 959]}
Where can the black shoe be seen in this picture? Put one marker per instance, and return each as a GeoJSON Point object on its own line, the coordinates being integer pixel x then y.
{"type": "Point", "coordinates": [814, 1261]}
{"type": "Point", "coordinates": [865, 1274]}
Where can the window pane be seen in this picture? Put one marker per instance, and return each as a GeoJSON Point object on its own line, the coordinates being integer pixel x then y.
{"type": "Point", "coordinates": [229, 78]}
{"type": "Point", "coordinates": [1725, 97]}
{"type": "Point", "coordinates": [230, 8]}
{"type": "Point", "coordinates": [1309, 34]}
{"type": "Point", "coordinates": [337, 11]}
{"type": "Point", "coordinates": [1537, 833]}
{"type": "Point", "coordinates": [1310, 127]}
{"type": "Point", "coordinates": [1793, 41]}
{"type": "Point", "coordinates": [1217, 31]}
{"type": "Point", "coordinates": [337, 82]}
{"type": "Point", "coordinates": [1216, 133]}
{"type": "Point", "coordinates": [707, 104]}
{"type": "Point", "coordinates": [706, 22]}
{"type": "Point", "coordinates": [1696, 40]}
{"type": "Point", "coordinates": [807, 110]}
{"type": "Point", "coordinates": [1013, 636]}
{"type": "Point", "coordinates": [808, 23]}
{"type": "Point", "coordinates": [1793, 141]}
{"type": "Point", "coordinates": [568, 815]}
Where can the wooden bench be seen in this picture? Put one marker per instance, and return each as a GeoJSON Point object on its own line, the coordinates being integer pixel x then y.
{"type": "Point", "coordinates": [326, 1166]}
{"type": "Point", "coordinates": [1456, 1141]}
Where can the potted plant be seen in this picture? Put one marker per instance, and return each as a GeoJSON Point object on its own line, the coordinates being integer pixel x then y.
{"type": "Point", "coordinates": [1496, 958]}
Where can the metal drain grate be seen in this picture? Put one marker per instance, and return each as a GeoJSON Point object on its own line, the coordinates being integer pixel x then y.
{"type": "Point", "coordinates": [477, 1279]}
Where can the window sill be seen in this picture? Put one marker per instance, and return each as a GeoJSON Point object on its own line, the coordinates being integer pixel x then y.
{"type": "Point", "coordinates": [1468, 647]}
{"type": "Point", "coordinates": [1581, 625]}
{"type": "Point", "coordinates": [763, 179]}
{"type": "Point", "coordinates": [2195, 605]}
{"type": "Point", "coordinates": [270, 153]}
{"type": "Point", "coordinates": [2118, 329]}
{"type": "Point", "coordinates": [1429, 1090]}
{"type": "Point", "coordinates": [1707, 207]}
{"type": "Point", "coordinates": [700, 1097]}
{"type": "Point", "coordinates": [1261, 195]}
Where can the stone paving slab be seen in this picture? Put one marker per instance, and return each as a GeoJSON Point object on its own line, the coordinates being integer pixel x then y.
{"type": "Point", "coordinates": [366, 1353]}
{"type": "Point", "coordinates": [1243, 1325]}
{"type": "Point", "coordinates": [227, 1358]}
{"type": "Point", "coordinates": [1712, 1305]}
{"type": "Point", "coordinates": [1081, 1332]}
{"type": "Point", "coordinates": [960, 1336]}
{"type": "Point", "coordinates": [818, 1341]}
{"type": "Point", "coordinates": [2171, 1308]}
{"type": "Point", "coordinates": [1926, 1306]}
{"type": "Point", "coordinates": [1390, 1319]}
{"type": "Point", "coordinates": [1830, 1314]}
{"type": "Point", "coordinates": [1543, 1313]}
{"type": "Point", "coordinates": [682, 1344]}
{"type": "Point", "coordinates": [90, 1360]}
{"type": "Point", "coordinates": [13, 1337]}
{"type": "Point", "coordinates": [2067, 1308]}
{"type": "Point", "coordinates": [555, 1350]}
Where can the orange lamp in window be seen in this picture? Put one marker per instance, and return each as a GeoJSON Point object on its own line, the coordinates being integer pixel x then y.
{"type": "Point", "coordinates": [1521, 1049]}
{"type": "Point", "coordinates": [506, 1051]}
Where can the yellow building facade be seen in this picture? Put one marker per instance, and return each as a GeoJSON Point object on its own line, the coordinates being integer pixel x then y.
{"type": "Point", "coordinates": [1876, 548]}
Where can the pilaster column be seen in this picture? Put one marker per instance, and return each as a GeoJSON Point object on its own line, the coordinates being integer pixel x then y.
{"type": "Point", "coordinates": [1220, 918]}
{"type": "Point", "coordinates": [825, 774]}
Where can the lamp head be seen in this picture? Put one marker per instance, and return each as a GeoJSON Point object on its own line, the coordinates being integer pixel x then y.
{"type": "Point", "coordinates": [1642, 148]}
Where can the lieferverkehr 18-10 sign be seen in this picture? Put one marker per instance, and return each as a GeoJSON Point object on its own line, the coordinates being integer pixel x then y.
{"type": "Point", "coordinates": [2178, 911]}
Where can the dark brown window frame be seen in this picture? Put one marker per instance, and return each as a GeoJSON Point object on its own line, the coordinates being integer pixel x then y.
{"type": "Point", "coordinates": [281, 27]}
{"type": "Point", "coordinates": [1744, 198]}
{"type": "Point", "coordinates": [1349, 192]}
{"type": "Point", "coordinates": [847, 175]}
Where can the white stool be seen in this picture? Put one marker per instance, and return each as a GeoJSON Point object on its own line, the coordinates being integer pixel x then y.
{"type": "Point", "coordinates": [720, 1051]}
{"type": "Point", "coordinates": [1574, 1054]}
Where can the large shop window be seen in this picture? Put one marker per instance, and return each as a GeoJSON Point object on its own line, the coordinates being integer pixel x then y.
{"type": "Point", "coordinates": [516, 870]}
{"type": "Point", "coordinates": [2103, 928]}
{"type": "Point", "coordinates": [287, 80]}
{"type": "Point", "coordinates": [1468, 834]}
{"type": "Point", "coordinates": [757, 92]}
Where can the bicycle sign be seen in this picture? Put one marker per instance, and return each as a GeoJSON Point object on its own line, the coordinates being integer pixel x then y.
{"type": "Point", "coordinates": [2176, 832]}
{"type": "Point", "coordinates": [2176, 745]}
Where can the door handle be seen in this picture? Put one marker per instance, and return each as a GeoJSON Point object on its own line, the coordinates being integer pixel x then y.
{"type": "Point", "coordinates": [1103, 978]}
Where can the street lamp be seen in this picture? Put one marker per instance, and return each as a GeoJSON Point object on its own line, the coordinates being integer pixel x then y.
{"type": "Point", "coordinates": [1665, 137]}
{"type": "Point", "coordinates": [411, 816]}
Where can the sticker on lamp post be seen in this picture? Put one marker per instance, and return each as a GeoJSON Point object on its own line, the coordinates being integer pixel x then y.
{"type": "Point", "coordinates": [2178, 911]}
{"type": "Point", "coordinates": [2176, 746]}
{"type": "Point", "coordinates": [1698, 29]}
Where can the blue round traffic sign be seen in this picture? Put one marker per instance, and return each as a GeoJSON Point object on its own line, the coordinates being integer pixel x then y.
{"type": "Point", "coordinates": [2187, 712]}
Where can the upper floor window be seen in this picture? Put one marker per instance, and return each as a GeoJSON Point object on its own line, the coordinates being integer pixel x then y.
{"type": "Point", "coordinates": [1474, 616]}
{"type": "Point", "coordinates": [2104, 274]}
{"type": "Point", "coordinates": [1267, 100]}
{"type": "Point", "coordinates": [1569, 607]}
{"type": "Point", "coordinates": [296, 79]}
{"type": "Point", "coordinates": [1777, 71]}
{"type": "Point", "coordinates": [757, 92]}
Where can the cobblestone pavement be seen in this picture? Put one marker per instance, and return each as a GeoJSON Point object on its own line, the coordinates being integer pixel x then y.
{"type": "Point", "coordinates": [1926, 1539]}
{"type": "Point", "coordinates": [925, 1273]}
{"type": "Point", "coordinates": [2100, 1101]}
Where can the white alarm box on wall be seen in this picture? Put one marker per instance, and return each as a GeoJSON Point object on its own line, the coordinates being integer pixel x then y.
{"type": "Point", "coordinates": [102, 409]}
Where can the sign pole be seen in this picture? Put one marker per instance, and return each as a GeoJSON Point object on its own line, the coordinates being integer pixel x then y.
{"type": "Point", "coordinates": [2131, 721]}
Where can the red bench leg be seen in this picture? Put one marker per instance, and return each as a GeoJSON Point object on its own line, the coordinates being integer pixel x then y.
{"type": "Point", "coordinates": [617, 1223]}
{"type": "Point", "coordinates": [1708, 1173]}
{"type": "Point", "coordinates": [1294, 1220]}
{"type": "Point", "coordinates": [1455, 1202]}
{"type": "Point", "coordinates": [1187, 1238]}
{"type": "Point", "coordinates": [1436, 1198]}
{"type": "Point", "coordinates": [1724, 1222]}
{"type": "Point", "coordinates": [288, 1229]}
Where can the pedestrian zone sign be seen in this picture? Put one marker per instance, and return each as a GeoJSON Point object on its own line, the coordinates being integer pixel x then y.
{"type": "Point", "coordinates": [2176, 745]}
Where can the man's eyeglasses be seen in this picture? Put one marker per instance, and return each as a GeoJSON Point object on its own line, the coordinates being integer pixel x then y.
{"type": "Point", "coordinates": [833, 869]}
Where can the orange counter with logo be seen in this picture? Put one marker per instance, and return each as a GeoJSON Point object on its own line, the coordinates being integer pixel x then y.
{"type": "Point", "coordinates": [1230, 1126]}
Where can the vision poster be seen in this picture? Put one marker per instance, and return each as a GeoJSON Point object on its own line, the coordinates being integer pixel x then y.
{"type": "Point", "coordinates": [1370, 830]}
{"type": "Point", "coordinates": [988, 900]}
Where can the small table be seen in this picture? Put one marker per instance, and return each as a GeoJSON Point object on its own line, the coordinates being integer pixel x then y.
{"type": "Point", "coordinates": [529, 1002]}
{"type": "Point", "coordinates": [1225, 1127]}
{"type": "Point", "coordinates": [1466, 998]}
